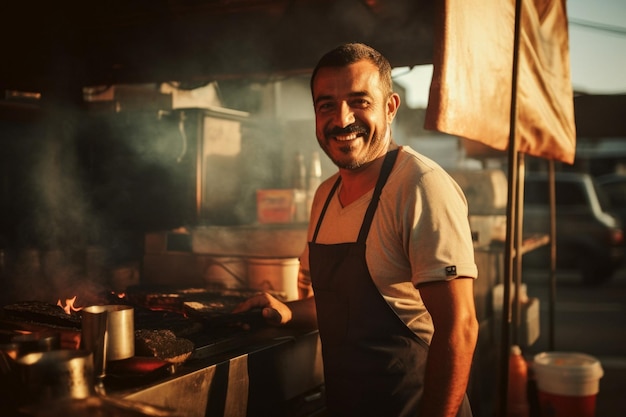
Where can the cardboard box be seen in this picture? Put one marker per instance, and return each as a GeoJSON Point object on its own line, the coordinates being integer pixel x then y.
{"type": "Point", "coordinates": [276, 205]}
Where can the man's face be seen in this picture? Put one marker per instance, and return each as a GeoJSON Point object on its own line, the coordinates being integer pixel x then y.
{"type": "Point", "coordinates": [352, 114]}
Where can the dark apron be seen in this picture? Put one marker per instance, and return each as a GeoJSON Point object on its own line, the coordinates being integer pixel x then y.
{"type": "Point", "coordinates": [373, 363]}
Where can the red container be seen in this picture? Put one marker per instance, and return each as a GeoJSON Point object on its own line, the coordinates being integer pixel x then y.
{"type": "Point", "coordinates": [567, 383]}
{"type": "Point", "coordinates": [567, 405]}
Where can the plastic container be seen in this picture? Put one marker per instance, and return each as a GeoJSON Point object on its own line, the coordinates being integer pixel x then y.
{"type": "Point", "coordinates": [517, 397]}
{"type": "Point", "coordinates": [277, 275]}
{"type": "Point", "coordinates": [567, 383]}
{"type": "Point", "coordinates": [226, 272]}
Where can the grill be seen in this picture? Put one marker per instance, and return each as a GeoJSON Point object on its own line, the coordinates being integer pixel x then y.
{"type": "Point", "coordinates": [273, 370]}
{"type": "Point", "coordinates": [200, 315]}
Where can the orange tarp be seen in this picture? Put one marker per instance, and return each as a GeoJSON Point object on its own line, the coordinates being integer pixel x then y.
{"type": "Point", "coordinates": [470, 94]}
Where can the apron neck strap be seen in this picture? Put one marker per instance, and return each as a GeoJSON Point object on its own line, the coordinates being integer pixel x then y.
{"type": "Point", "coordinates": [330, 196]}
{"type": "Point", "coordinates": [388, 163]}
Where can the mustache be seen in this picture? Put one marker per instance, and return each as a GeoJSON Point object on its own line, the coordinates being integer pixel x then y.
{"type": "Point", "coordinates": [353, 128]}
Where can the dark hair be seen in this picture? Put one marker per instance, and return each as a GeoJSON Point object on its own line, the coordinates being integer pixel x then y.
{"type": "Point", "coordinates": [349, 53]}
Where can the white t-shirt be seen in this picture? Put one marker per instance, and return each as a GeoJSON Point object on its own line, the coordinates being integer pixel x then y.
{"type": "Point", "coordinates": [420, 233]}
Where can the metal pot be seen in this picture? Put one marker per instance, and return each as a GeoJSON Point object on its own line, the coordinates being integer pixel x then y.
{"type": "Point", "coordinates": [23, 344]}
{"type": "Point", "coordinates": [57, 374]}
{"type": "Point", "coordinates": [37, 342]}
{"type": "Point", "coordinates": [108, 332]}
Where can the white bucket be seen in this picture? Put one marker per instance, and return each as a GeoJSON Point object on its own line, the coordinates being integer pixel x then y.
{"type": "Point", "coordinates": [567, 383]}
{"type": "Point", "coordinates": [225, 272]}
{"type": "Point", "coordinates": [279, 275]}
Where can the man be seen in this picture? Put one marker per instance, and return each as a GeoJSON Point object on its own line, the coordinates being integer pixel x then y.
{"type": "Point", "coordinates": [387, 275]}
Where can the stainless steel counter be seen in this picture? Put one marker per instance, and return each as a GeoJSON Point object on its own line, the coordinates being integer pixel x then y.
{"type": "Point", "coordinates": [275, 367]}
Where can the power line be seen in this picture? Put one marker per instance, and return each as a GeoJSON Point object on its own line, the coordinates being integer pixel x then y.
{"type": "Point", "coordinates": [619, 30]}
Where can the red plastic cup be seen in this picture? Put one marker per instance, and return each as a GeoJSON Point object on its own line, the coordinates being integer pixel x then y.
{"type": "Point", "coordinates": [567, 383]}
{"type": "Point", "coordinates": [566, 405]}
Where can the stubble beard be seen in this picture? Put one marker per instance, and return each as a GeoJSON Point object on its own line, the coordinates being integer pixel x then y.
{"type": "Point", "coordinates": [350, 162]}
{"type": "Point", "coordinates": [354, 163]}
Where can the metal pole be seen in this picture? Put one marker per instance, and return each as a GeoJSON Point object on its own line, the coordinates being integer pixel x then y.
{"type": "Point", "coordinates": [511, 220]}
{"type": "Point", "coordinates": [551, 305]}
{"type": "Point", "coordinates": [517, 254]}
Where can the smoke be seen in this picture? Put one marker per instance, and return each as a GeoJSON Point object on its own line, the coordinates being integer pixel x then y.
{"type": "Point", "coordinates": [89, 185]}
{"type": "Point", "coordinates": [55, 220]}
{"type": "Point", "coordinates": [62, 213]}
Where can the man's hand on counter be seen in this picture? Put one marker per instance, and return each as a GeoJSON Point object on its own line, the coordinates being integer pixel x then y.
{"type": "Point", "coordinates": [275, 312]}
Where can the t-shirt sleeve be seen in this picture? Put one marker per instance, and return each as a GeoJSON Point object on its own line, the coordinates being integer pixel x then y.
{"type": "Point", "coordinates": [440, 245]}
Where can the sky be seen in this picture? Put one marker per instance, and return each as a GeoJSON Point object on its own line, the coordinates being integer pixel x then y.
{"type": "Point", "coordinates": [597, 37]}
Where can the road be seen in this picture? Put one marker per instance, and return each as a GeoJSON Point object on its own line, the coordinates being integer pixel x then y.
{"type": "Point", "coordinates": [590, 320]}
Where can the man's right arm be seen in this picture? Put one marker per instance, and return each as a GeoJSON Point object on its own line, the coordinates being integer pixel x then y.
{"type": "Point", "coordinates": [275, 312]}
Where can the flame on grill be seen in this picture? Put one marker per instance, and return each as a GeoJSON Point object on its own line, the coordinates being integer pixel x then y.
{"type": "Point", "coordinates": [69, 305]}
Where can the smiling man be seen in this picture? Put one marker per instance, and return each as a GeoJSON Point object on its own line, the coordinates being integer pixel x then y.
{"type": "Point", "coordinates": [388, 272]}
